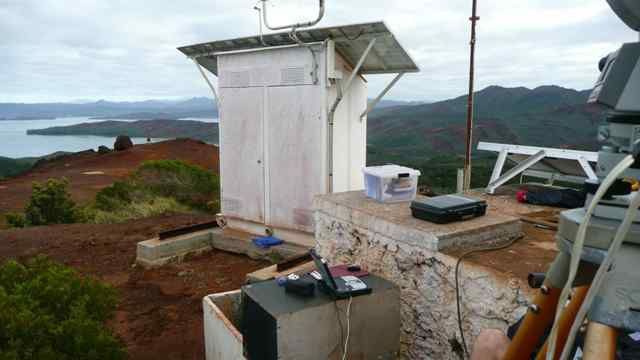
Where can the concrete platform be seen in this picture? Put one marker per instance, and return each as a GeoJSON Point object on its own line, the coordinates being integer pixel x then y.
{"type": "Point", "coordinates": [395, 221]}
{"type": "Point", "coordinates": [155, 252]}
{"type": "Point", "coordinates": [421, 257]}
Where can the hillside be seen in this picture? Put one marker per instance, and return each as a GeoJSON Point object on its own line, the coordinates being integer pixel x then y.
{"type": "Point", "coordinates": [143, 128]}
{"type": "Point", "coordinates": [12, 167]}
{"type": "Point", "coordinates": [88, 171]}
{"type": "Point", "coordinates": [546, 116]}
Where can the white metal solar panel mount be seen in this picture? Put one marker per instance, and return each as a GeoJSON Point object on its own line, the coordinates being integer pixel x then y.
{"type": "Point", "coordinates": [538, 163]}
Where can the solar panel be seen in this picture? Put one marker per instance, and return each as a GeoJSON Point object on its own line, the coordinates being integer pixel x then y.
{"type": "Point", "coordinates": [548, 163]}
{"type": "Point", "coordinates": [386, 57]}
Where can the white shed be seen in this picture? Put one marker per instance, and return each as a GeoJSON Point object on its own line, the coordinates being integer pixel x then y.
{"type": "Point", "coordinates": [292, 114]}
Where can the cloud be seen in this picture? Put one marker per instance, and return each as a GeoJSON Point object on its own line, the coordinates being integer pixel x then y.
{"type": "Point", "coordinates": [52, 50]}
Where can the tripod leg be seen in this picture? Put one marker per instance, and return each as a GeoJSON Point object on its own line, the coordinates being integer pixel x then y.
{"type": "Point", "coordinates": [539, 316]}
{"type": "Point", "coordinates": [566, 320]}
{"type": "Point", "coordinates": [600, 343]}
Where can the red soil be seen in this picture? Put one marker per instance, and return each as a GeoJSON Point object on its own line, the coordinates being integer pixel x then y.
{"type": "Point", "coordinates": [90, 172]}
{"type": "Point", "coordinates": [160, 310]}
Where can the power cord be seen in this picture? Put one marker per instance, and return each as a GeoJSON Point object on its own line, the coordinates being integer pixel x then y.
{"type": "Point", "coordinates": [458, 299]}
{"type": "Point", "coordinates": [346, 340]}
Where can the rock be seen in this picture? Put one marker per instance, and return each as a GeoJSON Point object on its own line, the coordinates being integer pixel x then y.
{"type": "Point", "coordinates": [123, 142]}
{"type": "Point", "coordinates": [103, 150]}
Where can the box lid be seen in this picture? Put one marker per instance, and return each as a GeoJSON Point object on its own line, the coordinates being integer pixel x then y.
{"type": "Point", "coordinates": [390, 171]}
{"type": "Point", "coordinates": [446, 202]}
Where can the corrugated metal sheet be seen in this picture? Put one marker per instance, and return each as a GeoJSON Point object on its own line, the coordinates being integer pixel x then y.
{"type": "Point", "coordinates": [387, 56]}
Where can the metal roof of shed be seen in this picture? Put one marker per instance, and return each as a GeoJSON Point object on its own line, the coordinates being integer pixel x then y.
{"type": "Point", "coordinates": [351, 41]}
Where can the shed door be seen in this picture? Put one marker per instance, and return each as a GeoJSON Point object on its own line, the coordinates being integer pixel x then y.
{"type": "Point", "coordinates": [242, 162]}
{"type": "Point", "coordinates": [294, 146]}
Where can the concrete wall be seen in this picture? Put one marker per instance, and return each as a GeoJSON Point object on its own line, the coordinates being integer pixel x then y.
{"type": "Point", "coordinates": [222, 339]}
{"type": "Point", "coordinates": [426, 279]}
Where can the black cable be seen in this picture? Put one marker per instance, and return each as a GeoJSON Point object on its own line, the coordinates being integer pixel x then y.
{"type": "Point", "coordinates": [458, 263]}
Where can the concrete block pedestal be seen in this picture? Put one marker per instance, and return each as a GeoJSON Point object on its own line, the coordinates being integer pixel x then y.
{"type": "Point", "coordinates": [387, 241]}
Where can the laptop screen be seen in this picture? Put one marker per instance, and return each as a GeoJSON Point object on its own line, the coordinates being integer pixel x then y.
{"type": "Point", "coordinates": [323, 269]}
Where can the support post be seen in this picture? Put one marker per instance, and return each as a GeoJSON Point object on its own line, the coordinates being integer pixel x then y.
{"type": "Point", "coordinates": [587, 168]}
{"type": "Point", "coordinates": [536, 321]}
{"type": "Point", "coordinates": [469, 138]}
{"type": "Point", "coordinates": [566, 320]}
{"type": "Point", "coordinates": [600, 343]}
{"type": "Point", "coordinates": [384, 92]}
{"type": "Point", "coordinates": [497, 169]}
{"type": "Point", "coordinates": [334, 107]}
{"type": "Point", "coordinates": [518, 169]}
{"type": "Point", "coordinates": [358, 66]}
{"type": "Point", "coordinates": [206, 78]}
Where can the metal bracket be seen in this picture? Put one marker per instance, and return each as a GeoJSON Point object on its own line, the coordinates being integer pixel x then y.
{"type": "Point", "coordinates": [206, 78]}
{"type": "Point", "coordinates": [332, 111]}
{"type": "Point", "coordinates": [532, 160]}
{"type": "Point", "coordinates": [584, 159]}
{"type": "Point", "coordinates": [384, 92]}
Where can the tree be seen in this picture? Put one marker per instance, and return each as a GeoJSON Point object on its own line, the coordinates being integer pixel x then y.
{"type": "Point", "coordinates": [50, 203]}
{"type": "Point", "coordinates": [51, 312]}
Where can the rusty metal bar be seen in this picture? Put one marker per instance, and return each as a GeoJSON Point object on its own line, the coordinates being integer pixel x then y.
{"type": "Point", "coordinates": [187, 230]}
{"type": "Point", "coordinates": [469, 140]}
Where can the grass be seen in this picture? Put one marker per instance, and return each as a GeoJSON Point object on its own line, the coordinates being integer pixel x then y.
{"type": "Point", "coordinates": [155, 188]}
{"type": "Point", "coordinates": [150, 207]}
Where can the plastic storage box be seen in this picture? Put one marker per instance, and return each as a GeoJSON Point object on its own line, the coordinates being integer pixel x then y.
{"type": "Point", "coordinates": [391, 183]}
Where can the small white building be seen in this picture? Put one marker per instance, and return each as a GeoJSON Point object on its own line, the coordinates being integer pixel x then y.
{"type": "Point", "coordinates": [293, 119]}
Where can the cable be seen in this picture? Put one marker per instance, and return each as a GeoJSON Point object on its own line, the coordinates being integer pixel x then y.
{"type": "Point", "coordinates": [621, 234]}
{"type": "Point", "coordinates": [457, 271]}
{"type": "Point", "coordinates": [579, 244]}
{"type": "Point", "coordinates": [346, 340]}
{"type": "Point", "coordinates": [339, 313]}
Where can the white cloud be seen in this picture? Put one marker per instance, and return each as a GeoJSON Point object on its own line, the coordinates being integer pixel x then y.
{"type": "Point", "coordinates": [54, 50]}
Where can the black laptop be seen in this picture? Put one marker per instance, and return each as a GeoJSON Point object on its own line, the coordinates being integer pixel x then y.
{"type": "Point", "coordinates": [341, 287]}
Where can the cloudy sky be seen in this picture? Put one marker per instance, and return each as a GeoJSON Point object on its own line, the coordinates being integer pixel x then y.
{"type": "Point", "coordinates": [61, 50]}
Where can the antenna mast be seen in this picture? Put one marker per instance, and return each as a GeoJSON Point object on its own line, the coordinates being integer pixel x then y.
{"type": "Point", "coordinates": [469, 140]}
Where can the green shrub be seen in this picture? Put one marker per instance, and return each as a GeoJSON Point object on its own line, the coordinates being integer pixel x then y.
{"type": "Point", "coordinates": [188, 184]}
{"type": "Point", "coordinates": [115, 196]}
{"type": "Point", "coordinates": [16, 220]}
{"type": "Point", "coordinates": [50, 312]}
{"type": "Point", "coordinates": [50, 203]}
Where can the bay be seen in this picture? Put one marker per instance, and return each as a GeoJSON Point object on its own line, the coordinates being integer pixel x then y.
{"type": "Point", "coordinates": [15, 143]}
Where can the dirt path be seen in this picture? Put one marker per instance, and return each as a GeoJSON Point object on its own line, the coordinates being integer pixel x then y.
{"type": "Point", "coordinates": [160, 311]}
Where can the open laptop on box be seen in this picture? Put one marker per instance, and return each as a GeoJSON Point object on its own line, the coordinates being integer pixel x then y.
{"type": "Point", "coordinates": [340, 287]}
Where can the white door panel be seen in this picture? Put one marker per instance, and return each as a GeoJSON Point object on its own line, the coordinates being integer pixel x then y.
{"type": "Point", "coordinates": [241, 147]}
{"type": "Point", "coordinates": [294, 150]}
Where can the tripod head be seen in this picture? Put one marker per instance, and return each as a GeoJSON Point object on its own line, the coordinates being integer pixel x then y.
{"type": "Point", "coordinates": [618, 90]}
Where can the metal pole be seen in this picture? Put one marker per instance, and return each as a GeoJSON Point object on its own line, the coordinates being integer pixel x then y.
{"type": "Point", "coordinates": [469, 140]}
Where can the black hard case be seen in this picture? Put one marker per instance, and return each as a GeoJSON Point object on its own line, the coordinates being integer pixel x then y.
{"type": "Point", "coordinates": [448, 208]}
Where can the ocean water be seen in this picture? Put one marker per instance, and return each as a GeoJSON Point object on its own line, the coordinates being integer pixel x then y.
{"type": "Point", "coordinates": [15, 143]}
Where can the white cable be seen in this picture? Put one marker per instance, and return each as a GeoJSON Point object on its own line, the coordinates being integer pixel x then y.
{"type": "Point", "coordinates": [346, 340]}
{"type": "Point", "coordinates": [576, 251]}
{"type": "Point", "coordinates": [621, 234]}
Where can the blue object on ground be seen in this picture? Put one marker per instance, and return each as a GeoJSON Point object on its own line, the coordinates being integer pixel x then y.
{"type": "Point", "coordinates": [266, 242]}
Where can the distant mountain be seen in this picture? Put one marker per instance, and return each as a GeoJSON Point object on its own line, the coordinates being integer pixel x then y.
{"type": "Point", "coordinates": [393, 103]}
{"type": "Point", "coordinates": [194, 107]}
{"type": "Point", "coordinates": [549, 116]}
{"type": "Point", "coordinates": [167, 129]}
{"type": "Point", "coordinates": [197, 107]}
